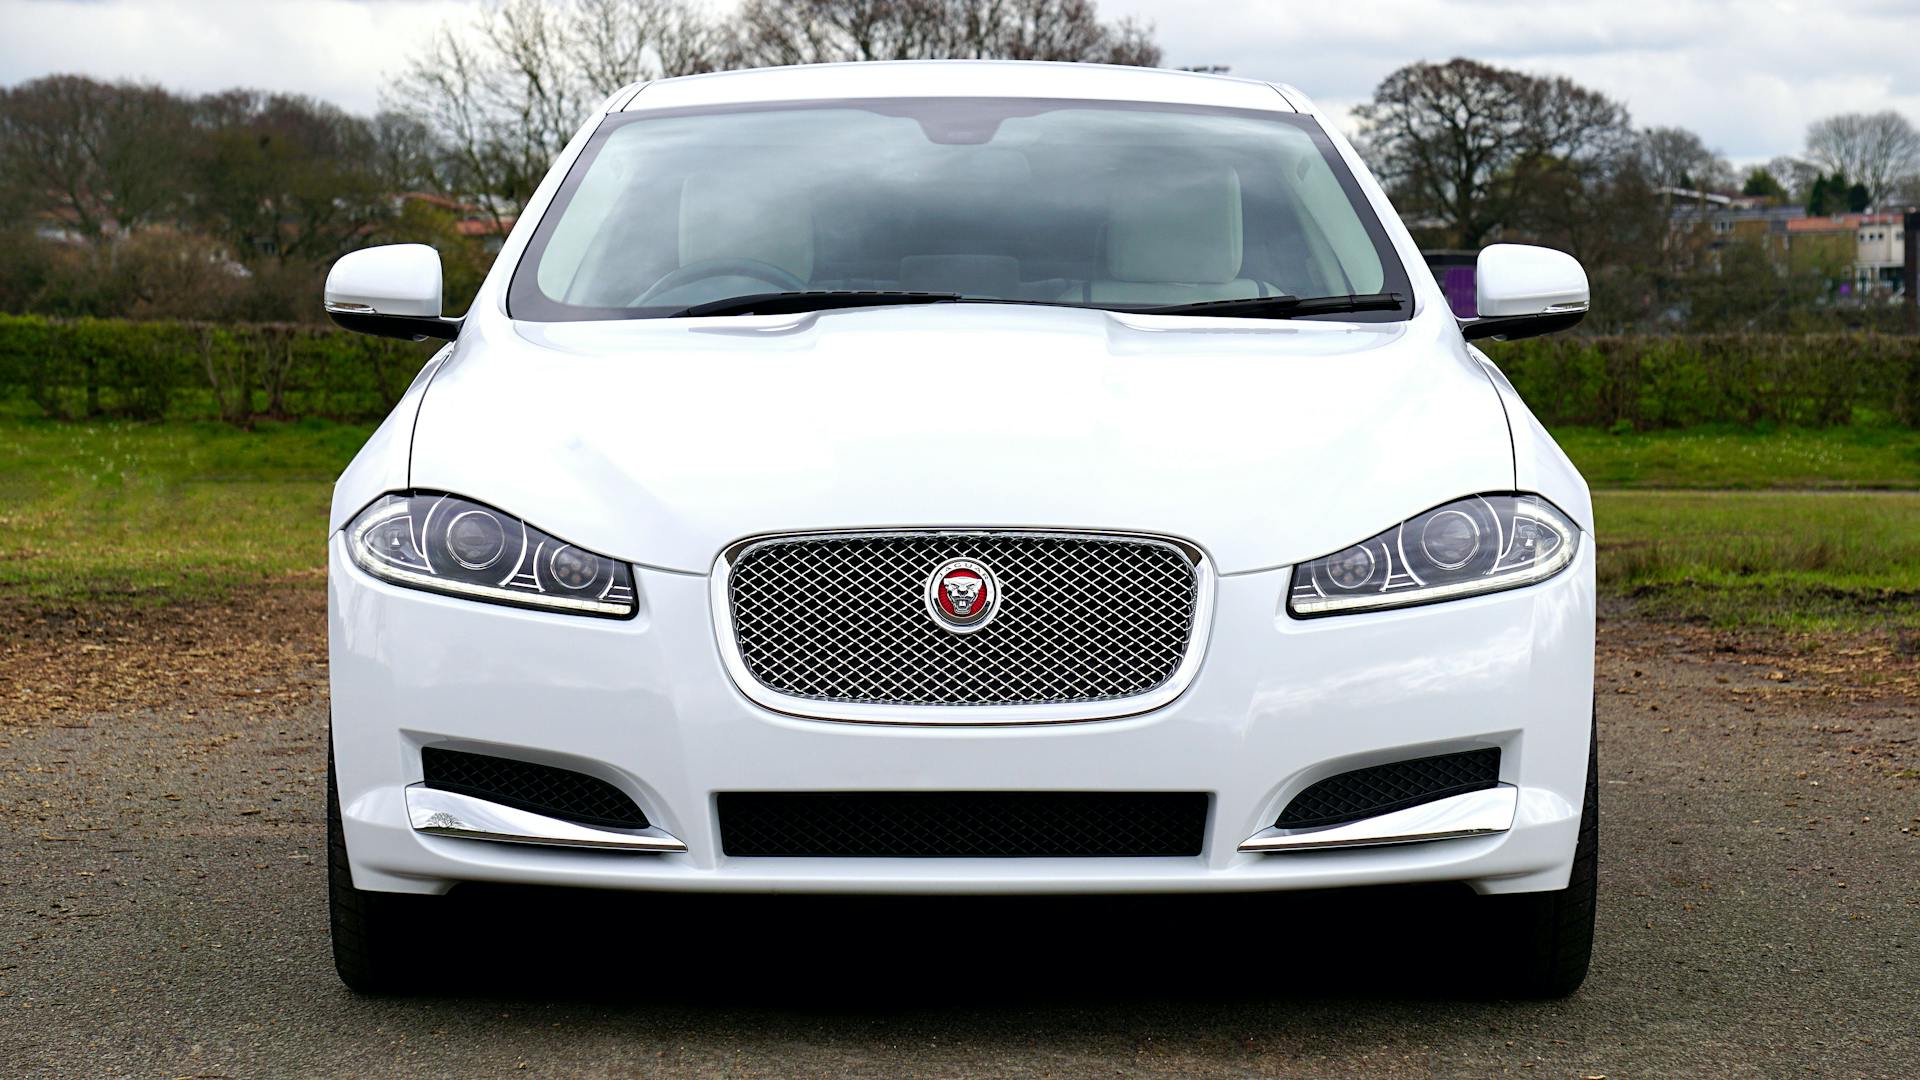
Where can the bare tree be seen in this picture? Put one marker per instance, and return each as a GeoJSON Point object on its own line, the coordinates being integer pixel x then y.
{"type": "Point", "coordinates": [1876, 149]}
{"type": "Point", "coordinates": [1906, 192]}
{"type": "Point", "coordinates": [620, 41]}
{"type": "Point", "coordinates": [1795, 174]}
{"type": "Point", "coordinates": [1469, 144]}
{"type": "Point", "coordinates": [1676, 157]}
{"type": "Point", "coordinates": [1130, 42]}
{"type": "Point", "coordinates": [827, 31]}
{"type": "Point", "coordinates": [776, 32]}
{"type": "Point", "coordinates": [408, 156]}
{"type": "Point", "coordinates": [504, 95]}
{"type": "Point", "coordinates": [1055, 30]}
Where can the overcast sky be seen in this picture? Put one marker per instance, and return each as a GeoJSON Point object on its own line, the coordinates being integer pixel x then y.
{"type": "Point", "coordinates": [1747, 76]}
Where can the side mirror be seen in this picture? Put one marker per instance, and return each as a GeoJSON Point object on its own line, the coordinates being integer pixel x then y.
{"type": "Point", "coordinates": [1525, 291]}
{"type": "Point", "coordinates": [392, 291]}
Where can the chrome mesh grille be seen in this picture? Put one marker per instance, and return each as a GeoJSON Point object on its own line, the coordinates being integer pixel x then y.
{"type": "Point", "coordinates": [844, 618]}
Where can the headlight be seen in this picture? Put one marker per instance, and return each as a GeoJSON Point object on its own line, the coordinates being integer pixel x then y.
{"type": "Point", "coordinates": [445, 544]}
{"type": "Point", "coordinates": [1478, 545]}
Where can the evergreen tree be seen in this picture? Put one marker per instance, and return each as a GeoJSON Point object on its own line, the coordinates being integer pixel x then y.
{"type": "Point", "coordinates": [1762, 184]}
{"type": "Point", "coordinates": [1817, 196]}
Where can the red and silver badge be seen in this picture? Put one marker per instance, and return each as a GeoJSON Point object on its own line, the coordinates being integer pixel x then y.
{"type": "Point", "coordinates": [962, 595]}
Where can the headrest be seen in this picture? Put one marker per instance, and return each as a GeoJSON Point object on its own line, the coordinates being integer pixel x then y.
{"type": "Point", "coordinates": [969, 275]}
{"type": "Point", "coordinates": [735, 217]}
{"type": "Point", "coordinates": [1179, 226]}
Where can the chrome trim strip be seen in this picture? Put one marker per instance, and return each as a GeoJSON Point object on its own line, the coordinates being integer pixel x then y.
{"type": "Point", "coordinates": [345, 308]}
{"type": "Point", "coordinates": [964, 715]}
{"type": "Point", "coordinates": [1477, 813]}
{"type": "Point", "coordinates": [447, 813]}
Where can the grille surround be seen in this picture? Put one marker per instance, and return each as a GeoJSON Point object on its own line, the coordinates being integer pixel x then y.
{"type": "Point", "coordinates": [904, 593]}
{"type": "Point", "coordinates": [962, 824]}
{"type": "Point", "coordinates": [1395, 785]}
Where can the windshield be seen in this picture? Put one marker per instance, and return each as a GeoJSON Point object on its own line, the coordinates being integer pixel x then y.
{"type": "Point", "coordinates": [1094, 204]}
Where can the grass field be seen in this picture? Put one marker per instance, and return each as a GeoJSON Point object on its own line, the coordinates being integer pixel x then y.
{"type": "Point", "coordinates": [1723, 459]}
{"type": "Point", "coordinates": [143, 513]}
{"type": "Point", "coordinates": [1802, 560]}
{"type": "Point", "coordinates": [151, 513]}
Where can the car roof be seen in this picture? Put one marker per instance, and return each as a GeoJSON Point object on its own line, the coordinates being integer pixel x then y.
{"type": "Point", "coordinates": [954, 78]}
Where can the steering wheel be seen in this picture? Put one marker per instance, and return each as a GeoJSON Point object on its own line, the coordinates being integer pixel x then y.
{"type": "Point", "coordinates": [707, 269]}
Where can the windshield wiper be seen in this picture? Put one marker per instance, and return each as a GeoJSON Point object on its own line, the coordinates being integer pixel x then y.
{"type": "Point", "coordinates": [788, 303]}
{"type": "Point", "coordinates": [1253, 307]}
{"type": "Point", "coordinates": [1279, 307]}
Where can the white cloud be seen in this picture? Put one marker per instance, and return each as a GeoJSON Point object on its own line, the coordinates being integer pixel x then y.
{"type": "Point", "coordinates": [1748, 76]}
{"type": "Point", "coordinates": [339, 50]}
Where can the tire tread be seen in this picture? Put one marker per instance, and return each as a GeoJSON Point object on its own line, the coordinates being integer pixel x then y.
{"type": "Point", "coordinates": [371, 949]}
{"type": "Point", "coordinates": [1555, 929]}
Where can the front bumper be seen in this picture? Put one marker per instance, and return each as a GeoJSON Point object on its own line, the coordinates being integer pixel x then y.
{"type": "Point", "coordinates": [647, 704]}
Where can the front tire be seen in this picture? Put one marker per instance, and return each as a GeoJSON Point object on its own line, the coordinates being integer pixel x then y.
{"type": "Point", "coordinates": [376, 935]}
{"type": "Point", "coordinates": [1552, 932]}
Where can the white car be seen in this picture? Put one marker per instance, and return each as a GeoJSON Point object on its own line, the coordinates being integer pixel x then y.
{"type": "Point", "coordinates": [961, 478]}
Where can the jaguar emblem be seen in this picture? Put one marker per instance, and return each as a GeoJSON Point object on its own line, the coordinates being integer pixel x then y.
{"type": "Point", "coordinates": [962, 595]}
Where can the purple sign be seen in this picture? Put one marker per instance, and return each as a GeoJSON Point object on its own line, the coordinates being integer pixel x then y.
{"type": "Point", "coordinates": [1457, 283]}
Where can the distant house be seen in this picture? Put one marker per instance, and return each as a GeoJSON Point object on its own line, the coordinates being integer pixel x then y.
{"type": "Point", "coordinates": [1721, 218]}
{"type": "Point", "coordinates": [1881, 260]}
{"type": "Point", "coordinates": [1865, 252]}
{"type": "Point", "coordinates": [1680, 195]}
{"type": "Point", "coordinates": [470, 219]}
{"type": "Point", "coordinates": [1873, 245]}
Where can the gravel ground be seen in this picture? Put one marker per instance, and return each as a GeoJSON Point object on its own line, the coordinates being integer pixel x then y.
{"type": "Point", "coordinates": [162, 871]}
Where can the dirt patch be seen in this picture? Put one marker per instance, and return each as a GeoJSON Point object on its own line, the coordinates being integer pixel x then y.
{"type": "Point", "coordinates": [1868, 665]}
{"type": "Point", "coordinates": [65, 665]}
{"type": "Point", "coordinates": [1853, 699]}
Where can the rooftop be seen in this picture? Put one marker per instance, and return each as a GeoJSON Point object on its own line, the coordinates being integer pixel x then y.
{"type": "Point", "coordinates": [959, 78]}
{"type": "Point", "coordinates": [1840, 222]}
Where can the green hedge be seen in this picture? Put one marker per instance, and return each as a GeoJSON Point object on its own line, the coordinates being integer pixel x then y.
{"type": "Point", "coordinates": [148, 370]}
{"type": "Point", "coordinates": [1807, 380]}
{"type": "Point", "coordinates": [74, 368]}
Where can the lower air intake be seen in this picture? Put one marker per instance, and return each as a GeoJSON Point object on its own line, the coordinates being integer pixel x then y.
{"type": "Point", "coordinates": [542, 789]}
{"type": "Point", "coordinates": [1382, 789]}
{"type": "Point", "coordinates": [963, 824]}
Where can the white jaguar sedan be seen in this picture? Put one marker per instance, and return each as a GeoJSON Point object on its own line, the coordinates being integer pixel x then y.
{"type": "Point", "coordinates": [962, 478]}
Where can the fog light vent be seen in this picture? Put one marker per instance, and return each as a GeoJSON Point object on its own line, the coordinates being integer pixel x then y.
{"type": "Point", "coordinates": [1382, 789]}
{"type": "Point", "coordinates": [542, 789]}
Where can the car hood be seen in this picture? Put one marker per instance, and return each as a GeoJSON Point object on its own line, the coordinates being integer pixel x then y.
{"type": "Point", "coordinates": [663, 441]}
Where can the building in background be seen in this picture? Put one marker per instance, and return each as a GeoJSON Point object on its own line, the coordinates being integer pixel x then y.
{"type": "Point", "coordinates": [1862, 255]}
{"type": "Point", "coordinates": [1871, 246]}
{"type": "Point", "coordinates": [1882, 252]}
{"type": "Point", "coordinates": [473, 220]}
